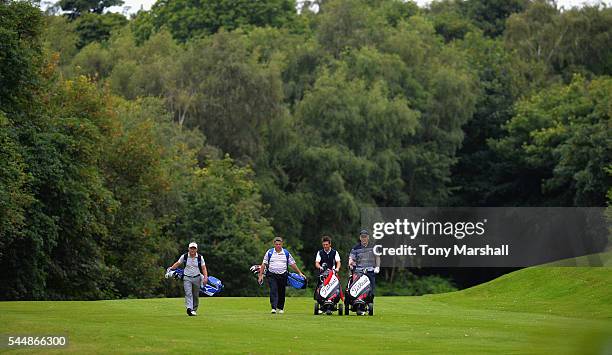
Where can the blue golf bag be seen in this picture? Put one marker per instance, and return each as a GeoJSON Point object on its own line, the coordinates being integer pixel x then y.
{"type": "Point", "coordinates": [296, 281]}
{"type": "Point", "coordinates": [212, 287]}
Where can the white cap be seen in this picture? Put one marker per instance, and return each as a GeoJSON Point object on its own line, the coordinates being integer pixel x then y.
{"type": "Point", "coordinates": [193, 244]}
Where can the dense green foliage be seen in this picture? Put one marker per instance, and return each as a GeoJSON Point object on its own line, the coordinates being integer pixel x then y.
{"type": "Point", "coordinates": [187, 19]}
{"type": "Point", "coordinates": [94, 27]}
{"type": "Point", "coordinates": [561, 137]}
{"type": "Point", "coordinates": [76, 8]}
{"type": "Point", "coordinates": [230, 122]}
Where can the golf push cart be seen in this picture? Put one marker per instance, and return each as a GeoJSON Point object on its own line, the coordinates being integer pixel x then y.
{"type": "Point", "coordinates": [359, 294]}
{"type": "Point", "coordinates": [329, 293]}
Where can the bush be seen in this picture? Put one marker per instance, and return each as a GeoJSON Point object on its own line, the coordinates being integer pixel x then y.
{"type": "Point", "coordinates": [406, 283]}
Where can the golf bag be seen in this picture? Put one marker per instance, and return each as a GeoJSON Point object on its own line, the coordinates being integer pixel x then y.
{"type": "Point", "coordinates": [213, 287]}
{"type": "Point", "coordinates": [359, 294]}
{"type": "Point", "coordinates": [294, 280]}
{"type": "Point", "coordinates": [329, 293]}
{"type": "Point", "coordinates": [174, 274]}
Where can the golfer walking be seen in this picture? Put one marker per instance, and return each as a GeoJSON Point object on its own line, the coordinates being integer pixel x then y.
{"type": "Point", "coordinates": [276, 263]}
{"type": "Point", "coordinates": [327, 256]}
{"type": "Point", "coordinates": [362, 257]}
{"type": "Point", "coordinates": [195, 274]}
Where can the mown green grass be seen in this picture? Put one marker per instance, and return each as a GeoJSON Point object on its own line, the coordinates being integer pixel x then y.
{"type": "Point", "coordinates": [538, 310]}
{"type": "Point", "coordinates": [581, 292]}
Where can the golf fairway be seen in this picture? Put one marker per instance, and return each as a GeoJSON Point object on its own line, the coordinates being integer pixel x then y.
{"type": "Point", "coordinates": [538, 310]}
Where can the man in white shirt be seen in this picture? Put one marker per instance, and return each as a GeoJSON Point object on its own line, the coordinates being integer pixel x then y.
{"type": "Point", "coordinates": [276, 262]}
{"type": "Point", "coordinates": [194, 275]}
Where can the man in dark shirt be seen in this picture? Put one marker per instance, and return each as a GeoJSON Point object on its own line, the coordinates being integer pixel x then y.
{"type": "Point", "coordinates": [327, 256]}
{"type": "Point", "coordinates": [362, 257]}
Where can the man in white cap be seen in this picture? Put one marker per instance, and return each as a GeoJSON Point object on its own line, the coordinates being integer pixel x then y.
{"type": "Point", "coordinates": [195, 274]}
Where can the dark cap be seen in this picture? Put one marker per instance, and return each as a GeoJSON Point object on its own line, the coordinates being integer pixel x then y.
{"type": "Point", "coordinates": [364, 232]}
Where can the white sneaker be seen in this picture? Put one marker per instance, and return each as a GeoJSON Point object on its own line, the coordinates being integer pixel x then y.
{"type": "Point", "coordinates": [273, 311]}
{"type": "Point", "coordinates": [320, 312]}
{"type": "Point", "coordinates": [193, 313]}
{"type": "Point", "coordinates": [281, 311]}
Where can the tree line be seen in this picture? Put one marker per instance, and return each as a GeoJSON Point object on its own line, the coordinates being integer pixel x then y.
{"type": "Point", "coordinates": [229, 122]}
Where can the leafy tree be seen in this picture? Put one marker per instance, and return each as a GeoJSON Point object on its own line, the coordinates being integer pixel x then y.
{"type": "Point", "coordinates": [147, 70]}
{"type": "Point", "coordinates": [557, 146]}
{"type": "Point", "coordinates": [219, 84]}
{"type": "Point", "coordinates": [564, 43]}
{"type": "Point", "coordinates": [147, 165]}
{"type": "Point", "coordinates": [224, 214]}
{"type": "Point", "coordinates": [57, 254]}
{"type": "Point", "coordinates": [76, 8]}
{"type": "Point", "coordinates": [454, 19]}
{"type": "Point", "coordinates": [93, 61]}
{"type": "Point", "coordinates": [14, 195]}
{"type": "Point", "coordinates": [499, 88]}
{"type": "Point", "coordinates": [235, 96]}
{"type": "Point", "coordinates": [296, 56]}
{"type": "Point", "coordinates": [72, 216]}
{"type": "Point", "coordinates": [97, 27]}
{"type": "Point", "coordinates": [395, 11]}
{"type": "Point", "coordinates": [490, 15]}
{"type": "Point", "coordinates": [60, 37]}
{"type": "Point", "coordinates": [187, 19]}
{"type": "Point", "coordinates": [449, 20]}
{"type": "Point", "coordinates": [439, 84]}
{"type": "Point", "coordinates": [20, 55]}
{"type": "Point", "coordinates": [20, 64]}
{"type": "Point", "coordinates": [349, 154]}
{"type": "Point", "coordinates": [142, 26]}
{"type": "Point", "coordinates": [348, 24]}
{"type": "Point", "coordinates": [72, 190]}
{"type": "Point", "coordinates": [585, 46]}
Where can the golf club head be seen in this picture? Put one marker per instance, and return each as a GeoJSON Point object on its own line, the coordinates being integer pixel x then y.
{"type": "Point", "coordinates": [255, 269]}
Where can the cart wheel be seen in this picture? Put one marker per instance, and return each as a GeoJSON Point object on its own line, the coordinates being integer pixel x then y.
{"type": "Point", "coordinates": [371, 309]}
{"type": "Point", "coordinates": [316, 309]}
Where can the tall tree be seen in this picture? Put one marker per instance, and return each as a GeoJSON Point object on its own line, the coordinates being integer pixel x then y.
{"type": "Point", "coordinates": [93, 27]}
{"type": "Point", "coordinates": [76, 8]}
{"type": "Point", "coordinates": [187, 19]}
{"type": "Point", "coordinates": [224, 214]}
{"type": "Point", "coordinates": [235, 95]}
{"type": "Point", "coordinates": [498, 89]}
{"type": "Point", "coordinates": [346, 24]}
{"type": "Point", "coordinates": [491, 15]}
{"type": "Point", "coordinates": [557, 146]}
{"type": "Point", "coordinates": [347, 153]}
{"type": "Point", "coordinates": [562, 43]}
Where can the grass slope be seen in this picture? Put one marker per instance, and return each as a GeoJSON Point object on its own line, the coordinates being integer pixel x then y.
{"type": "Point", "coordinates": [539, 310]}
{"type": "Point", "coordinates": [580, 292]}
